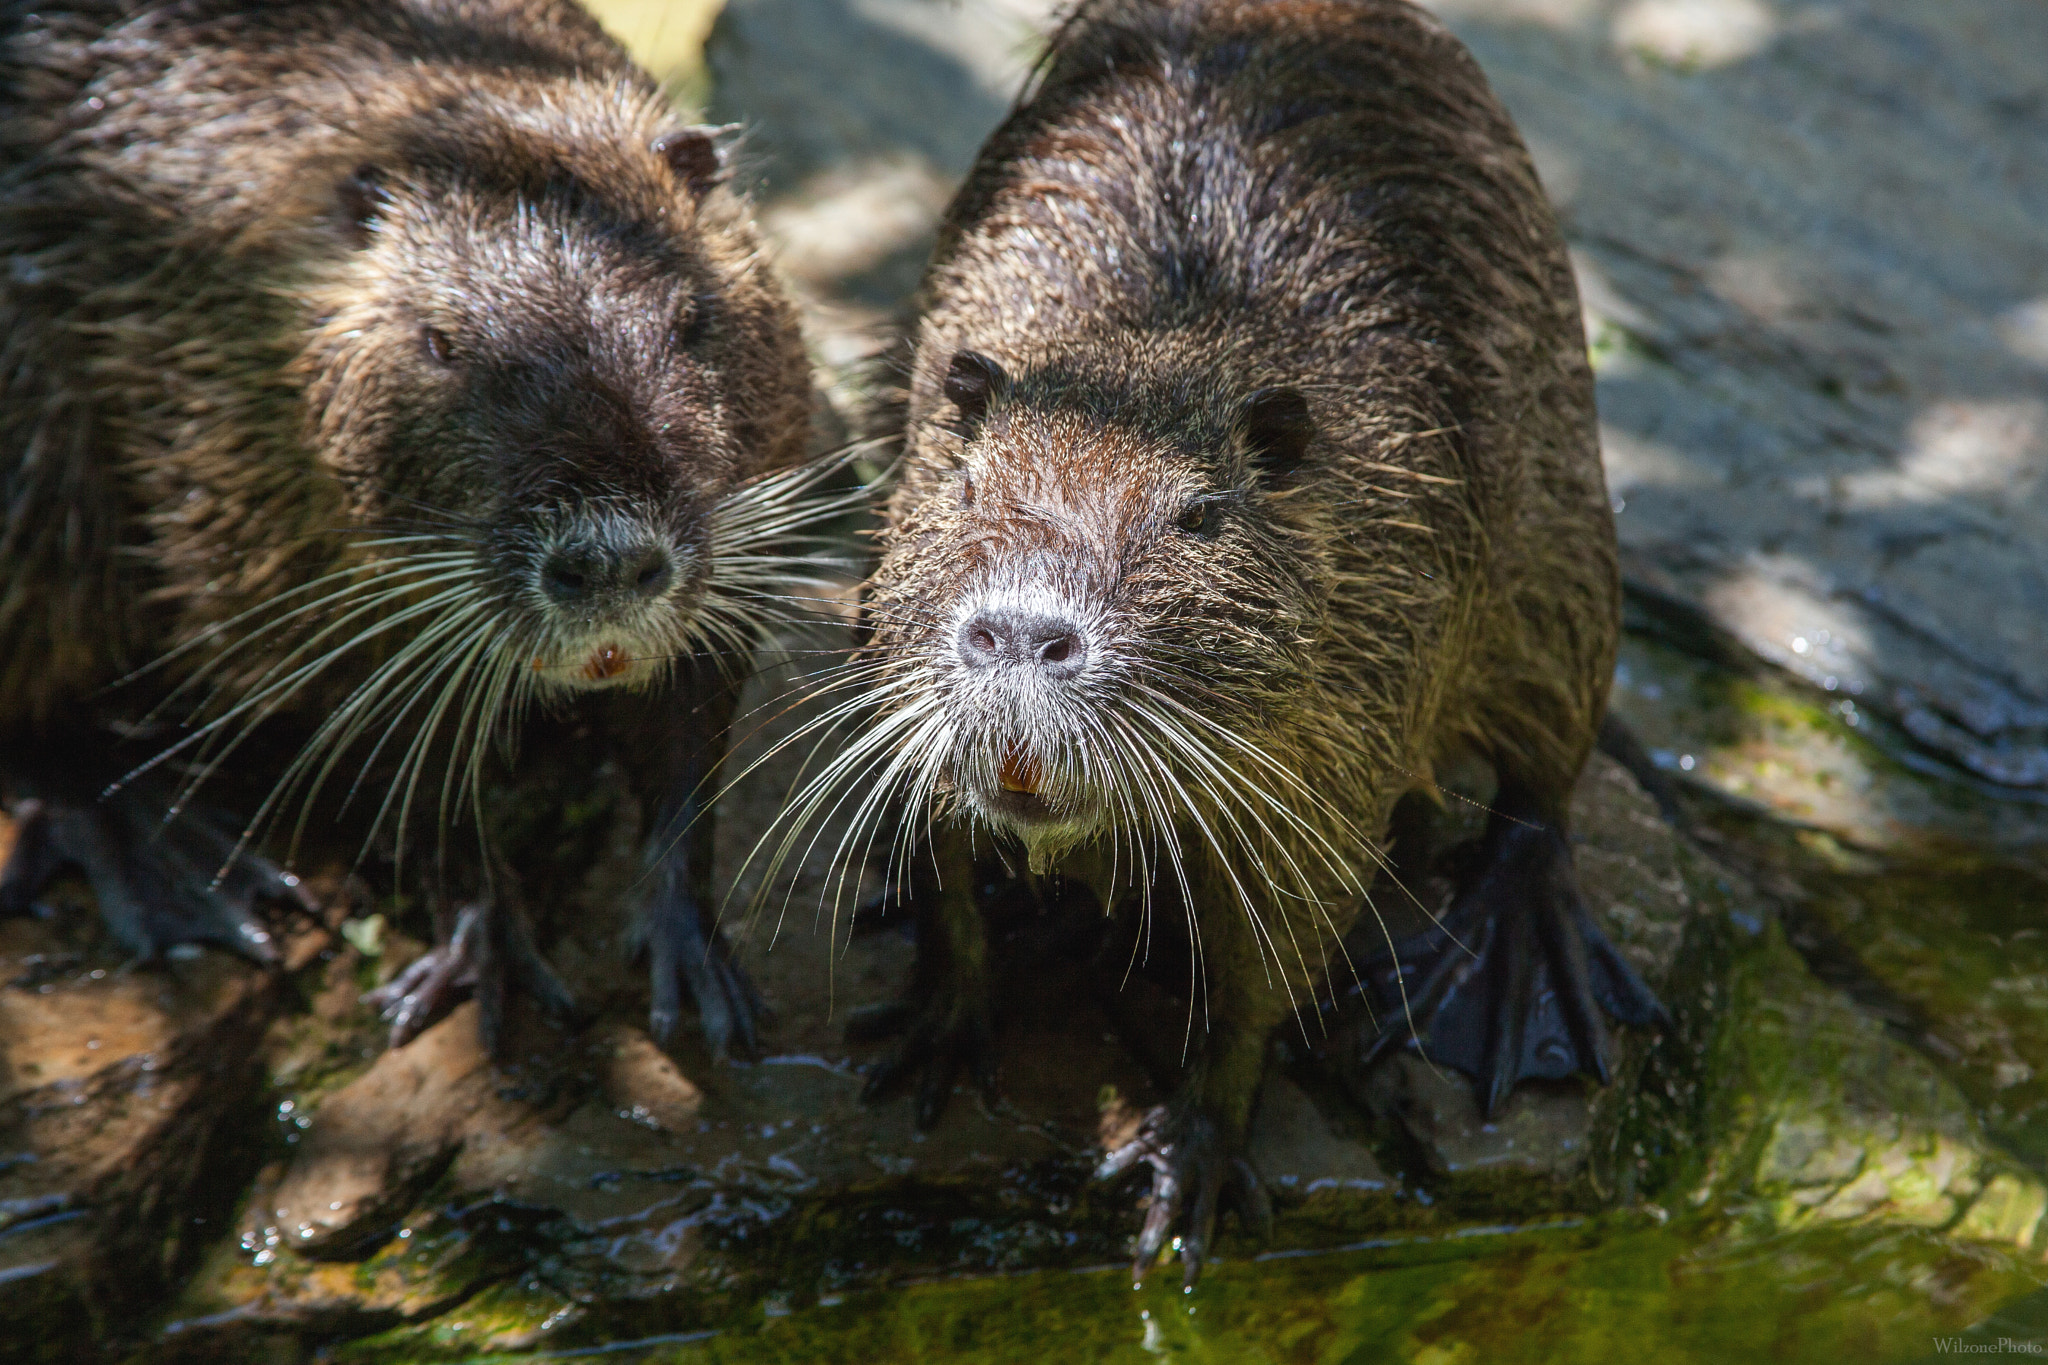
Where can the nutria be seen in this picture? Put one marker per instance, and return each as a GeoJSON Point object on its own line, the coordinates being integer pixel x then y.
{"type": "Point", "coordinates": [376, 370]}
{"type": "Point", "coordinates": [1251, 475]}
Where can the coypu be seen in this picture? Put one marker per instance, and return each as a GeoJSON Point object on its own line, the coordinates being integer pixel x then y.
{"type": "Point", "coordinates": [1251, 475]}
{"type": "Point", "coordinates": [376, 371]}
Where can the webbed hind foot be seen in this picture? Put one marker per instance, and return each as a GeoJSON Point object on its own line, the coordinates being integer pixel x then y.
{"type": "Point", "coordinates": [1512, 982]}
{"type": "Point", "coordinates": [158, 884]}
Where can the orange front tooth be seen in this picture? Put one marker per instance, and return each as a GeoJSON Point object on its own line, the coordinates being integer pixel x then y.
{"type": "Point", "coordinates": [1019, 772]}
{"type": "Point", "coordinates": [608, 661]}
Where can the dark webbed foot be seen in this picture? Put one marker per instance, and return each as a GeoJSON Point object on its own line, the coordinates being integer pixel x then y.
{"type": "Point", "coordinates": [1192, 1173]}
{"type": "Point", "coordinates": [683, 949]}
{"type": "Point", "coordinates": [1512, 983]}
{"type": "Point", "coordinates": [157, 884]}
{"type": "Point", "coordinates": [950, 1030]}
{"type": "Point", "coordinates": [488, 950]}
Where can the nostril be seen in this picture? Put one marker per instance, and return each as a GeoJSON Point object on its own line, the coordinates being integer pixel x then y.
{"type": "Point", "coordinates": [983, 640]}
{"type": "Point", "coordinates": [654, 575]}
{"type": "Point", "coordinates": [1010, 639]}
{"type": "Point", "coordinates": [565, 579]}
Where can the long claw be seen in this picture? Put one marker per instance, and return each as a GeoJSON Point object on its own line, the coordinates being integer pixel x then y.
{"type": "Point", "coordinates": [412, 999]}
{"type": "Point", "coordinates": [682, 950]}
{"type": "Point", "coordinates": [948, 1033]}
{"type": "Point", "coordinates": [1187, 1155]}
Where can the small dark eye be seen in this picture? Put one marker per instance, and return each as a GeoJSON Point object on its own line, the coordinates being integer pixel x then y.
{"type": "Point", "coordinates": [966, 490]}
{"type": "Point", "coordinates": [438, 346]}
{"type": "Point", "coordinates": [1195, 518]}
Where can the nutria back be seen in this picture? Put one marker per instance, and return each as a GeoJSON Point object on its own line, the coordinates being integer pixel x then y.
{"type": "Point", "coordinates": [289, 282]}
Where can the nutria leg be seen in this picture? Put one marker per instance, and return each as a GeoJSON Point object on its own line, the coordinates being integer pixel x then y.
{"type": "Point", "coordinates": [949, 1021]}
{"type": "Point", "coordinates": [424, 990]}
{"type": "Point", "coordinates": [1188, 1155]}
{"type": "Point", "coordinates": [683, 746]}
{"type": "Point", "coordinates": [157, 885]}
{"type": "Point", "coordinates": [1512, 983]}
{"type": "Point", "coordinates": [1195, 1143]}
{"type": "Point", "coordinates": [683, 946]}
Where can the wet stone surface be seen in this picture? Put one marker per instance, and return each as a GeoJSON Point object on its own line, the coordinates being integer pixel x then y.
{"type": "Point", "coordinates": [1808, 239]}
{"type": "Point", "coordinates": [603, 1184]}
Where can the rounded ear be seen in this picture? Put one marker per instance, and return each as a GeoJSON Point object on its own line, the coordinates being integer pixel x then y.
{"type": "Point", "coordinates": [693, 156]}
{"type": "Point", "coordinates": [361, 200]}
{"type": "Point", "coordinates": [1277, 430]}
{"type": "Point", "coordinates": [971, 382]}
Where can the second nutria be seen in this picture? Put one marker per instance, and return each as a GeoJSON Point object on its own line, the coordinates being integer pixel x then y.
{"type": "Point", "coordinates": [1252, 474]}
{"type": "Point", "coordinates": [374, 371]}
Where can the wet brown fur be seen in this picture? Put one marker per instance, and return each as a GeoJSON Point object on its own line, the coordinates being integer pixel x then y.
{"type": "Point", "coordinates": [1197, 201]}
{"type": "Point", "coordinates": [213, 378]}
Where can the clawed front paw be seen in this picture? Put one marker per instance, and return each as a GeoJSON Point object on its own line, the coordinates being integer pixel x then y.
{"type": "Point", "coordinates": [1193, 1171]}
{"type": "Point", "coordinates": [682, 950]}
{"type": "Point", "coordinates": [946, 1035]}
{"type": "Point", "coordinates": [488, 952]}
{"type": "Point", "coordinates": [425, 989]}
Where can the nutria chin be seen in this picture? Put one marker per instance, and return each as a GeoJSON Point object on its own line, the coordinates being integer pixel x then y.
{"type": "Point", "coordinates": [1252, 475]}
{"type": "Point", "coordinates": [374, 367]}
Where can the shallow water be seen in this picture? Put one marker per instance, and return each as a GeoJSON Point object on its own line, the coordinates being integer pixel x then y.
{"type": "Point", "coordinates": [1596, 1292]}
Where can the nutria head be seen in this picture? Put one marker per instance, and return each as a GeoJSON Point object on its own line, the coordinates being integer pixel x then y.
{"type": "Point", "coordinates": [549, 350]}
{"type": "Point", "coordinates": [1098, 594]}
{"type": "Point", "coordinates": [484, 425]}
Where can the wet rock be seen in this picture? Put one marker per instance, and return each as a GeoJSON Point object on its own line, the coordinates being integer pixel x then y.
{"type": "Point", "coordinates": [1808, 237]}
{"type": "Point", "coordinates": [2009, 1209]}
{"type": "Point", "coordinates": [376, 1143]}
{"type": "Point", "coordinates": [1298, 1150]}
{"type": "Point", "coordinates": [642, 1082]}
{"type": "Point", "coordinates": [1919, 894]}
{"type": "Point", "coordinates": [1790, 1107]}
{"type": "Point", "coordinates": [129, 1119]}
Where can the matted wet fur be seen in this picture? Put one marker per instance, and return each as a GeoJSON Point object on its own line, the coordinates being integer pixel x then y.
{"type": "Point", "coordinates": [375, 368]}
{"type": "Point", "coordinates": [1252, 473]}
